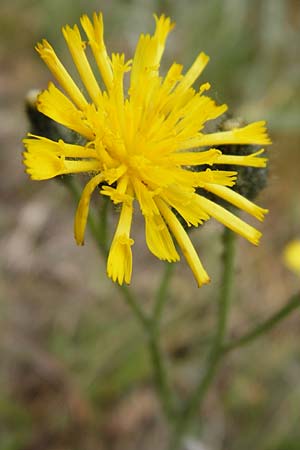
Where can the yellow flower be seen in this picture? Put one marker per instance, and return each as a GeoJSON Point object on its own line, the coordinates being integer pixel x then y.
{"type": "Point", "coordinates": [140, 146]}
{"type": "Point", "coordinates": [291, 256]}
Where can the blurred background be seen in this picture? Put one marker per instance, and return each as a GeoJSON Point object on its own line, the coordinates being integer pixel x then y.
{"type": "Point", "coordinates": [74, 372]}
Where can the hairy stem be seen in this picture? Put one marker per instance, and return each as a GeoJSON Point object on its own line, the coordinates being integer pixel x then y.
{"type": "Point", "coordinates": [156, 353]}
{"type": "Point", "coordinates": [196, 398]}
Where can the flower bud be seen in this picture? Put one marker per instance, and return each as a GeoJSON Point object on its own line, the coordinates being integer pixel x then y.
{"type": "Point", "coordinates": [250, 180]}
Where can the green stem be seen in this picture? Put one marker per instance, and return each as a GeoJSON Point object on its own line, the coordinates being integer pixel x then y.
{"type": "Point", "coordinates": [160, 374]}
{"type": "Point", "coordinates": [226, 289]}
{"type": "Point", "coordinates": [135, 307]}
{"type": "Point", "coordinates": [156, 353]}
{"type": "Point", "coordinates": [98, 230]}
{"type": "Point", "coordinates": [267, 325]}
{"type": "Point", "coordinates": [161, 295]}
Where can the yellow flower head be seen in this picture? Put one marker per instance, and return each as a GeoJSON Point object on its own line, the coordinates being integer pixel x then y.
{"type": "Point", "coordinates": [291, 256]}
{"type": "Point", "coordinates": [140, 146]}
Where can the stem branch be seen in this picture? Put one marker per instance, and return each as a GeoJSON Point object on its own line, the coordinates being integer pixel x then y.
{"type": "Point", "coordinates": [264, 327]}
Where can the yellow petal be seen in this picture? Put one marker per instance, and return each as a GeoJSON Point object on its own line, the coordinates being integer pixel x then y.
{"type": "Point", "coordinates": [195, 113]}
{"type": "Point", "coordinates": [42, 165]}
{"type": "Point", "coordinates": [115, 196]}
{"type": "Point", "coordinates": [114, 174]}
{"type": "Point", "coordinates": [255, 133]}
{"type": "Point", "coordinates": [148, 53]}
{"type": "Point", "coordinates": [48, 55]}
{"type": "Point", "coordinates": [158, 238]}
{"type": "Point", "coordinates": [184, 243]}
{"type": "Point", "coordinates": [119, 262]}
{"type": "Point", "coordinates": [229, 220]}
{"type": "Point", "coordinates": [94, 32]}
{"type": "Point", "coordinates": [119, 67]}
{"type": "Point", "coordinates": [219, 177]}
{"type": "Point", "coordinates": [196, 158]}
{"type": "Point", "coordinates": [83, 208]}
{"type": "Point", "coordinates": [163, 28]}
{"type": "Point", "coordinates": [237, 200]}
{"type": "Point", "coordinates": [76, 47]}
{"type": "Point", "coordinates": [59, 148]}
{"type": "Point", "coordinates": [172, 77]}
{"type": "Point", "coordinates": [54, 104]}
{"type": "Point", "coordinates": [145, 198]}
{"type": "Point", "coordinates": [252, 160]}
{"type": "Point", "coordinates": [46, 159]}
{"type": "Point", "coordinates": [193, 73]}
{"type": "Point", "coordinates": [185, 203]}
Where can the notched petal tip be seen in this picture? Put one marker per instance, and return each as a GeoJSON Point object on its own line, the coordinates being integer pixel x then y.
{"type": "Point", "coordinates": [256, 238]}
{"type": "Point", "coordinates": [41, 164]}
{"type": "Point", "coordinates": [119, 262]}
{"type": "Point", "coordinates": [203, 281]}
{"type": "Point", "coordinates": [164, 21]}
{"type": "Point", "coordinates": [44, 48]}
{"type": "Point", "coordinates": [261, 212]}
{"type": "Point", "coordinates": [256, 133]}
{"type": "Point", "coordinates": [203, 57]}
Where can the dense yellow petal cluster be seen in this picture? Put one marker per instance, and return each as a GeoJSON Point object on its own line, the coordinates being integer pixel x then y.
{"type": "Point", "coordinates": [140, 146]}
